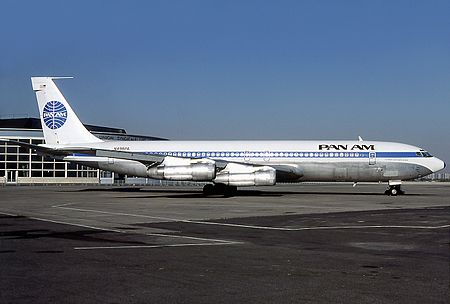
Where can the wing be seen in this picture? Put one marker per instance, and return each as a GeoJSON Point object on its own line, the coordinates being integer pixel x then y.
{"type": "Point", "coordinates": [284, 172]}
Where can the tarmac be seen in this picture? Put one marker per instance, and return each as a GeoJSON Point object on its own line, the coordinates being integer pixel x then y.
{"type": "Point", "coordinates": [303, 243]}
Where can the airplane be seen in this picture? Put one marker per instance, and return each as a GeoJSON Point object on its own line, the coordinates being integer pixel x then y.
{"type": "Point", "coordinates": [226, 165]}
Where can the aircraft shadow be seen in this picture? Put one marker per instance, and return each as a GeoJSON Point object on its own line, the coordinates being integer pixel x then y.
{"type": "Point", "coordinates": [181, 193]}
{"type": "Point", "coordinates": [257, 193]}
{"type": "Point", "coordinates": [118, 189]}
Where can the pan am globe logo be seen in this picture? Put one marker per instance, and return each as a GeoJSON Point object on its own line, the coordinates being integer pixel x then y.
{"type": "Point", "coordinates": [54, 114]}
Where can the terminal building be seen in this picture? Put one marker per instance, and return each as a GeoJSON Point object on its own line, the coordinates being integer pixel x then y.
{"type": "Point", "coordinates": [19, 165]}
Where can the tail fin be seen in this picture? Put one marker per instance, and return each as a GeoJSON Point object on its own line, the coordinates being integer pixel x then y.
{"type": "Point", "coordinates": [59, 122]}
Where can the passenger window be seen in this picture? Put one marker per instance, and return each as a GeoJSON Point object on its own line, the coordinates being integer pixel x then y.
{"type": "Point", "coordinates": [419, 154]}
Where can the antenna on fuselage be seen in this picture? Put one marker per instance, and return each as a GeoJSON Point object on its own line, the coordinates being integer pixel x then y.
{"type": "Point", "coordinates": [360, 138]}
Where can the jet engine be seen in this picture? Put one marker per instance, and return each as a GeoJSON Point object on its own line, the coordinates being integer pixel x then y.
{"type": "Point", "coordinates": [181, 169]}
{"type": "Point", "coordinates": [244, 175]}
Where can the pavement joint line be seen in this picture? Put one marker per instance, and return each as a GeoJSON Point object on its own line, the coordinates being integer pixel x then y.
{"type": "Point", "coordinates": [9, 214]}
{"type": "Point", "coordinates": [190, 237]}
{"type": "Point", "coordinates": [373, 226]}
{"type": "Point", "coordinates": [156, 246]}
{"type": "Point", "coordinates": [256, 227]}
{"type": "Point", "coordinates": [78, 225]}
{"type": "Point", "coordinates": [126, 232]}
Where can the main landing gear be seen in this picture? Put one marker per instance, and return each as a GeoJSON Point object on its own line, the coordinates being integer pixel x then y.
{"type": "Point", "coordinates": [394, 189]}
{"type": "Point", "coordinates": [219, 189]}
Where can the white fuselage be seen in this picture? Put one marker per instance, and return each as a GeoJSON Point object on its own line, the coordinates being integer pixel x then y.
{"type": "Point", "coordinates": [325, 160]}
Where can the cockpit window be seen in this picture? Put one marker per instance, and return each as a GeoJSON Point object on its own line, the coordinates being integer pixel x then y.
{"type": "Point", "coordinates": [426, 154]}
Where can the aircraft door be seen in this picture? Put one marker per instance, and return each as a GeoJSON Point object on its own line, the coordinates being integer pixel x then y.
{"type": "Point", "coordinates": [247, 156]}
{"type": "Point", "coordinates": [372, 158]}
{"type": "Point", "coordinates": [266, 156]}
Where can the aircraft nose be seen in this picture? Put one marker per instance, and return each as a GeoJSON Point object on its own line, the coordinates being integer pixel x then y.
{"type": "Point", "coordinates": [438, 165]}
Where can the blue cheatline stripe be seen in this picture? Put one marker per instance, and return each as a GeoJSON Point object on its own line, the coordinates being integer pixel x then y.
{"type": "Point", "coordinates": [282, 154]}
{"type": "Point", "coordinates": [278, 154]}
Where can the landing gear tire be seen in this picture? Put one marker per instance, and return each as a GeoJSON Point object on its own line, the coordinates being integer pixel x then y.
{"type": "Point", "coordinates": [219, 189]}
{"type": "Point", "coordinates": [394, 191]}
{"type": "Point", "coordinates": [208, 189]}
{"type": "Point", "coordinates": [230, 191]}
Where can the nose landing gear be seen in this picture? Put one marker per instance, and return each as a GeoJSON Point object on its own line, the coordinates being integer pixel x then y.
{"type": "Point", "coordinates": [394, 190]}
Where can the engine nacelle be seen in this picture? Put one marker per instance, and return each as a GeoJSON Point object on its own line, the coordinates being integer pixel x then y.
{"type": "Point", "coordinates": [243, 175]}
{"type": "Point", "coordinates": [184, 170]}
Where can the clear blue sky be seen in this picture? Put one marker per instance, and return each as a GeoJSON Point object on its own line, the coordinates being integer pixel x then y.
{"type": "Point", "coordinates": [238, 69]}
